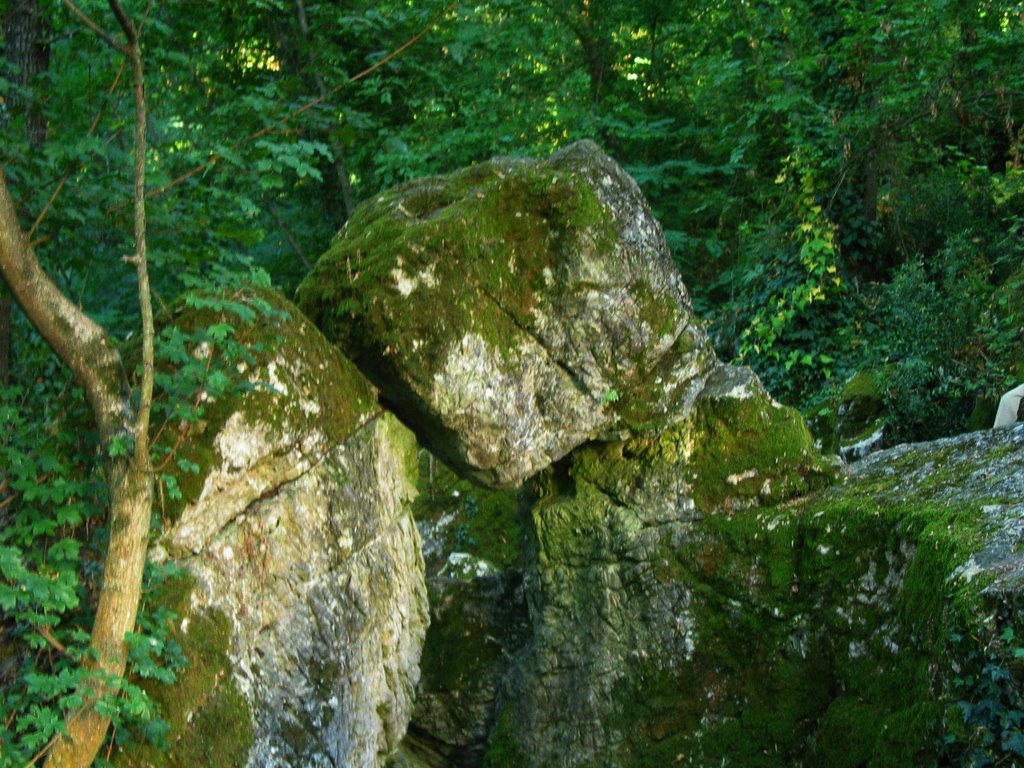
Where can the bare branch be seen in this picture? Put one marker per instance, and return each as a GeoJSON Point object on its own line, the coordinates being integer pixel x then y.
{"type": "Point", "coordinates": [124, 21]}
{"type": "Point", "coordinates": [100, 33]}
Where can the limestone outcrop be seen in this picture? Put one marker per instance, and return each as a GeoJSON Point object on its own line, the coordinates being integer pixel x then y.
{"type": "Point", "coordinates": [691, 596]}
{"type": "Point", "coordinates": [514, 310]}
{"type": "Point", "coordinates": [672, 587]}
{"type": "Point", "coordinates": [873, 623]}
{"type": "Point", "coordinates": [302, 604]}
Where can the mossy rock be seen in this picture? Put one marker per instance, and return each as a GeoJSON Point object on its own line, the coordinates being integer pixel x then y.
{"type": "Point", "coordinates": [738, 448]}
{"type": "Point", "coordinates": [853, 422]}
{"type": "Point", "coordinates": [298, 537]}
{"type": "Point", "coordinates": [860, 403]}
{"type": "Point", "coordinates": [840, 628]}
{"type": "Point", "coordinates": [514, 310]}
{"type": "Point", "coordinates": [209, 717]}
{"type": "Point", "coordinates": [300, 397]}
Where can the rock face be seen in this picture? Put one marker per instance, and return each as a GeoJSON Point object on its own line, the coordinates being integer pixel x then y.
{"type": "Point", "coordinates": [618, 604]}
{"type": "Point", "coordinates": [855, 422]}
{"type": "Point", "coordinates": [303, 608]}
{"type": "Point", "coordinates": [847, 629]}
{"type": "Point", "coordinates": [688, 599]}
{"type": "Point", "coordinates": [514, 310]}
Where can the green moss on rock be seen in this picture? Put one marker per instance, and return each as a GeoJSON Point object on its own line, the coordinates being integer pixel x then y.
{"type": "Point", "coordinates": [750, 448]}
{"type": "Point", "coordinates": [513, 310]}
{"type": "Point", "coordinates": [457, 515]}
{"type": "Point", "coordinates": [293, 383]}
{"type": "Point", "coordinates": [504, 748]}
{"type": "Point", "coordinates": [854, 413]}
{"type": "Point", "coordinates": [489, 227]}
{"type": "Point", "coordinates": [732, 452]}
{"type": "Point", "coordinates": [834, 630]}
{"type": "Point", "coordinates": [210, 721]}
{"type": "Point", "coordinates": [821, 639]}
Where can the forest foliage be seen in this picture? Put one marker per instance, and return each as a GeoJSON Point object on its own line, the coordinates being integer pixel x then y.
{"type": "Point", "coordinates": [841, 184]}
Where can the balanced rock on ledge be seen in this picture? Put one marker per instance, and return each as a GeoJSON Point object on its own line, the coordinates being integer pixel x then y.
{"type": "Point", "coordinates": [514, 310]}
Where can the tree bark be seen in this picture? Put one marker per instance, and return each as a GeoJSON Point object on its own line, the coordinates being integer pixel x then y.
{"type": "Point", "coordinates": [25, 32]}
{"type": "Point", "coordinates": [81, 344]}
{"type": "Point", "coordinates": [131, 503]}
{"type": "Point", "coordinates": [86, 349]}
{"type": "Point", "coordinates": [597, 48]}
{"type": "Point", "coordinates": [28, 53]}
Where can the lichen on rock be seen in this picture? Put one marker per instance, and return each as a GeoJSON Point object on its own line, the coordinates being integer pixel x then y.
{"type": "Point", "coordinates": [303, 556]}
{"type": "Point", "coordinates": [514, 310]}
{"type": "Point", "coordinates": [822, 631]}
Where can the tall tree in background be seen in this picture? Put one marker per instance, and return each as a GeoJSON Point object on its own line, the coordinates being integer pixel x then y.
{"type": "Point", "coordinates": [27, 52]}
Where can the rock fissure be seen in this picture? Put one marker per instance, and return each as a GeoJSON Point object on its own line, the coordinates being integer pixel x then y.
{"type": "Point", "coordinates": [571, 375]}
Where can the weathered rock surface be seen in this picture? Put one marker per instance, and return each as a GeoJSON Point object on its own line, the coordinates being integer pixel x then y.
{"type": "Point", "coordinates": [684, 605]}
{"type": "Point", "coordinates": [838, 630]}
{"type": "Point", "coordinates": [304, 606]}
{"type": "Point", "coordinates": [854, 423]}
{"type": "Point", "coordinates": [514, 310]}
{"type": "Point", "coordinates": [617, 602]}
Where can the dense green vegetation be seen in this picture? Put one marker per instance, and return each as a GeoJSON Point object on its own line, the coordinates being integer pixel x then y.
{"type": "Point", "coordinates": [840, 182]}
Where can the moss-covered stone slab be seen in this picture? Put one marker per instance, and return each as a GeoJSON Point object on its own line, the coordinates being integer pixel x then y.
{"type": "Point", "coordinates": [303, 560]}
{"type": "Point", "coordinates": [874, 624]}
{"type": "Point", "coordinates": [301, 399]}
{"type": "Point", "coordinates": [514, 310]}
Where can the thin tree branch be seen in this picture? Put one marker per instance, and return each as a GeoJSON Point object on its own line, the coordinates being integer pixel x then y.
{"type": "Point", "coordinates": [130, 483]}
{"type": "Point", "coordinates": [105, 37]}
{"type": "Point", "coordinates": [45, 633]}
{"type": "Point", "coordinates": [92, 129]}
{"type": "Point", "coordinates": [90, 132]}
{"type": "Point", "coordinates": [215, 158]}
{"type": "Point", "coordinates": [134, 54]}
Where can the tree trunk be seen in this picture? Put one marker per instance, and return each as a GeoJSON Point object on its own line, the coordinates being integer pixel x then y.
{"type": "Point", "coordinates": [25, 32]}
{"type": "Point", "coordinates": [131, 502]}
{"type": "Point", "coordinates": [28, 53]}
{"type": "Point", "coordinates": [85, 348]}
{"type": "Point", "coordinates": [340, 169]}
{"type": "Point", "coordinates": [78, 341]}
{"type": "Point", "coordinates": [596, 51]}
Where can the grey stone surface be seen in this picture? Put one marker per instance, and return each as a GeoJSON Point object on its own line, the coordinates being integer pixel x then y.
{"type": "Point", "coordinates": [302, 535]}
{"type": "Point", "coordinates": [514, 310]}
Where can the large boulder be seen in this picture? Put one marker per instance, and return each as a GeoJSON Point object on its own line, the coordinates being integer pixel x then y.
{"type": "Point", "coordinates": [301, 606]}
{"type": "Point", "coordinates": [514, 310]}
{"type": "Point", "coordinates": [543, 659]}
{"type": "Point", "coordinates": [877, 623]}
{"type": "Point", "coordinates": [619, 604]}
